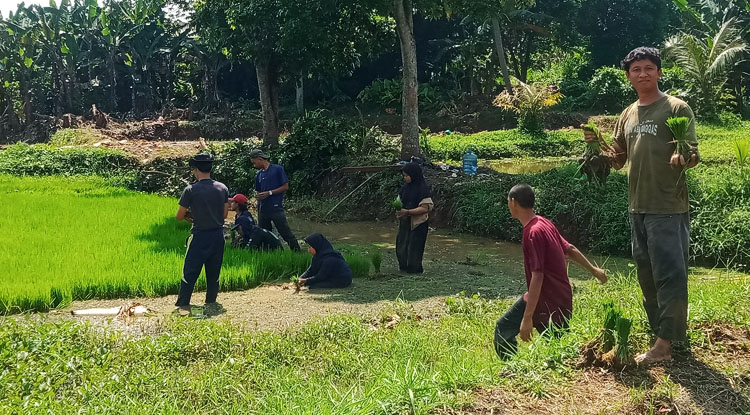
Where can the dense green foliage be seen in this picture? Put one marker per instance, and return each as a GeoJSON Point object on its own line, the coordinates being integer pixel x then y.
{"type": "Point", "coordinates": [337, 365]}
{"type": "Point", "coordinates": [41, 160]}
{"type": "Point", "coordinates": [81, 238]}
{"type": "Point", "coordinates": [317, 143]}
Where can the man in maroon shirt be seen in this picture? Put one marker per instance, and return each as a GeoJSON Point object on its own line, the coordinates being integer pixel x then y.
{"type": "Point", "coordinates": [549, 299]}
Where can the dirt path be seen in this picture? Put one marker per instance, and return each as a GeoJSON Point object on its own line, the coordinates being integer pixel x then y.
{"type": "Point", "coordinates": [453, 263]}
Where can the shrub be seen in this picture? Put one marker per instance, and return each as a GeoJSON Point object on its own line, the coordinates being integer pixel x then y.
{"type": "Point", "coordinates": [317, 143]}
{"type": "Point", "coordinates": [42, 160]}
{"type": "Point", "coordinates": [610, 90]}
{"type": "Point", "coordinates": [234, 167]}
{"type": "Point", "coordinates": [529, 101]}
{"type": "Point", "coordinates": [387, 93]}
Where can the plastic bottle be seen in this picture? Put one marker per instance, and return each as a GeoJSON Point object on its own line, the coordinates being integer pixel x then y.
{"type": "Point", "coordinates": [470, 162]}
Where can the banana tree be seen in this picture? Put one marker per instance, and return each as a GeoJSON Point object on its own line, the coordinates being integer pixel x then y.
{"type": "Point", "coordinates": [22, 53]}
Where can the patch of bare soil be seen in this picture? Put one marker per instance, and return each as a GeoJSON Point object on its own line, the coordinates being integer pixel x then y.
{"type": "Point", "coordinates": [147, 150]}
{"type": "Point", "coordinates": [593, 392]}
{"type": "Point", "coordinates": [268, 307]}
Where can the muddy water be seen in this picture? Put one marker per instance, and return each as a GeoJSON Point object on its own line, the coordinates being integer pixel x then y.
{"type": "Point", "coordinates": [441, 244]}
{"type": "Point", "coordinates": [525, 166]}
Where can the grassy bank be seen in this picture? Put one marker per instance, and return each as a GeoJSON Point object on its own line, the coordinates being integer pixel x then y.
{"type": "Point", "coordinates": [343, 365]}
{"type": "Point", "coordinates": [81, 238]}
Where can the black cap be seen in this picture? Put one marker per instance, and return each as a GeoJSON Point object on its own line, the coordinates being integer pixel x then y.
{"type": "Point", "coordinates": [202, 157]}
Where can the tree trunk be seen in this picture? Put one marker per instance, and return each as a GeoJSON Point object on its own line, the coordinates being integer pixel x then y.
{"type": "Point", "coordinates": [113, 85]}
{"type": "Point", "coordinates": [269, 103]}
{"type": "Point", "coordinates": [26, 91]}
{"type": "Point", "coordinates": [403, 13]}
{"type": "Point", "coordinates": [210, 95]}
{"type": "Point", "coordinates": [501, 54]}
{"type": "Point", "coordinates": [301, 94]}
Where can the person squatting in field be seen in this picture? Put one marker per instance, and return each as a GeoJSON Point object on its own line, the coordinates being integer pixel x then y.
{"type": "Point", "coordinates": [207, 200]}
{"type": "Point", "coordinates": [253, 236]}
{"type": "Point", "coordinates": [549, 300]}
{"type": "Point", "coordinates": [328, 269]}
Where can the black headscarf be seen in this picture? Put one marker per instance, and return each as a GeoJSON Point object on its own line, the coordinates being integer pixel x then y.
{"type": "Point", "coordinates": [413, 193]}
{"type": "Point", "coordinates": [321, 245]}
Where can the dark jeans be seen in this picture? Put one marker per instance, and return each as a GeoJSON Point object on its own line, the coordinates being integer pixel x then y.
{"type": "Point", "coordinates": [277, 216]}
{"type": "Point", "coordinates": [410, 246]}
{"type": "Point", "coordinates": [509, 325]}
{"type": "Point", "coordinates": [204, 248]}
{"type": "Point", "coordinates": [660, 250]}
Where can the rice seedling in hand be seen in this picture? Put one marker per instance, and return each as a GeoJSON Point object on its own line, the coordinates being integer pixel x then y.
{"type": "Point", "coordinates": [397, 204]}
{"type": "Point", "coordinates": [680, 127]}
{"type": "Point", "coordinates": [594, 164]}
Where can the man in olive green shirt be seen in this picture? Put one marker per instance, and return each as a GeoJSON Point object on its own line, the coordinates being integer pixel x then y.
{"type": "Point", "coordinates": [657, 199]}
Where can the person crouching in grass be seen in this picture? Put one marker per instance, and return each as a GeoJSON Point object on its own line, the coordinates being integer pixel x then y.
{"type": "Point", "coordinates": [328, 269]}
{"type": "Point", "coordinates": [549, 300]}
{"type": "Point", "coordinates": [253, 236]}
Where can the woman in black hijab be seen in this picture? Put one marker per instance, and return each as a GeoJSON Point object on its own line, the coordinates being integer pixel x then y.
{"type": "Point", "coordinates": [413, 218]}
{"type": "Point", "coordinates": [328, 269]}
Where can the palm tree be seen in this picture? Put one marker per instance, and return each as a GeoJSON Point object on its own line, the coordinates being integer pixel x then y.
{"type": "Point", "coordinates": [707, 62]}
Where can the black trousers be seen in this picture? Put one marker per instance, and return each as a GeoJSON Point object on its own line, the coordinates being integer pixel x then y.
{"type": "Point", "coordinates": [509, 325]}
{"type": "Point", "coordinates": [204, 249]}
{"type": "Point", "coordinates": [410, 246]}
{"type": "Point", "coordinates": [267, 218]}
{"type": "Point", "coordinates": [660, 251]}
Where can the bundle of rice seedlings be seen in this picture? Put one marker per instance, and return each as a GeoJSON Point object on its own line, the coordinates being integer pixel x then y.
{"type": "Point", "coordinates": [377, 260]}
{"type": "Point", "coordinates": [611, 317]}
{"type": "Point", "coordinates": [680, 127]}
{"type": "Point", "coordinates": [397, 204]}
{"type": "Point", "coordinates": [622, 351]}
{"type": "Point", "coordinates": [595, 165]}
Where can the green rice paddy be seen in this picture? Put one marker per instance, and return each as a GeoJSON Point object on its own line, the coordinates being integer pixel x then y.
{"type": "Point", "coordinates": [64, 239]}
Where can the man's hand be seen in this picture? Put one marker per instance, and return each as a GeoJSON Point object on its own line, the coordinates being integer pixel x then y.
{"type": "Point", "coordinates": [678, 160]}
{"type": "Point", "coordinates": [262, 195]}
{"type": "Point", "coordinates": [526, 328]}
{"type": "Point", "coordinates": [600, 275]}
{"type": "Point", "coordinates": [401, 213]}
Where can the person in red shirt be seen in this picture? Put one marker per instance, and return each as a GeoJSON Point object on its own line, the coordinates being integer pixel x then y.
{"type": "Point", "coordinates": [549, 300]}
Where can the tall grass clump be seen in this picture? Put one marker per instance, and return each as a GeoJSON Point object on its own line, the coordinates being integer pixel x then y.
{"type": "Point", "coordinates": [81, 238]}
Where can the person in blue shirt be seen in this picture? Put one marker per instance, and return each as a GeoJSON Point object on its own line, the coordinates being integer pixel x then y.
{"type": "Point", "coordinates": [208, 201]}
{"type": "Point", "coordinates": [270, 184]}
{"type": "Point", "coordinates": [253, 236]}
{"type": "Point", "coordinates": [328, 269]}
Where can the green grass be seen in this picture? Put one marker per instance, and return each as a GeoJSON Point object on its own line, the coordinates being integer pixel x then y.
{"type": "Point", "coordinates": [336, 365]}
{"type": "Point", "coordinates": [80, 238]}
{"type": "Point", "coordinates": [507, 144]}
{"type": "Point", "coordinates": [716, 144]}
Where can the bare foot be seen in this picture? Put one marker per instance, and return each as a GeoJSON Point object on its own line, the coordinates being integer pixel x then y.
{"type": "Point", "coordinates": [652, 357]}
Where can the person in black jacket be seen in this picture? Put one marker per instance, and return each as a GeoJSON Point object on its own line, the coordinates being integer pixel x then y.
{"type": "Point", "coordinates": [328, 268]}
